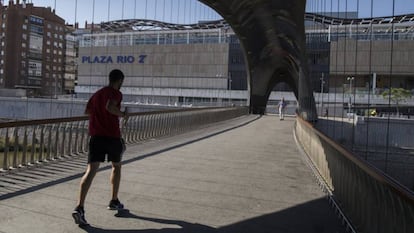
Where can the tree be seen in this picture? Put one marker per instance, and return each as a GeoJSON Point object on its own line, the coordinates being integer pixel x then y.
{"type": "Point", "coordinates": [397, 95]}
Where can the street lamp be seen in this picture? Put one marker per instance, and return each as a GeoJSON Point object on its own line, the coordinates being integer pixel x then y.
{"type": "Point", "coordinates": [321, 96]}
{"type": "Point", "coordinates": [229, 87]}
{"type": "Point", "coordinates": [350, 79]}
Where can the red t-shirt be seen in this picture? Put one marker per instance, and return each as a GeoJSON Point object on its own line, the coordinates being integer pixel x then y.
{"type": "Point", "coordinates": [102, 122]}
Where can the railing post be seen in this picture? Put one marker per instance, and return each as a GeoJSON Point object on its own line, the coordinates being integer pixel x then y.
{"type": "Point", "coordinates": [146, 123]}
{"type": "Point", "coordinates": [63, 141]}
{"type": "Point", "coordinates": [70, 149]}
{"type": "Point", "coordinates": [24, 160]}
{"type": "Point", "coordinates": [163, 124]}
{"type": "Point", "coordinates": [42, 144]}
{"type": "Point", "coordinates": [15, 146]}
{"type": "Point", "coordinates": [6, 150]}
{"type": "Point", "coordinates": [157, 126]}
{"type": "Point", "coordinates": [140, 121]}
{"type": "Point", "coordinates": [49, 143]}
{"type": "Point", "coordinates": [56, 146]}
{"type": "Point", "coordinates": [33, 148]}
{"type": "Point", "coordinates": [84, 137]}
{"type": "Point", "coordinates": [77, 125]}
{"type": "Point", "coordinates": [136, 128]}
{"type": "Point", "coordinates": [151, 126]}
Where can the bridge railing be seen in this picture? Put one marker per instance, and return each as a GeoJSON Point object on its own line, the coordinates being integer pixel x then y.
{"type": "Point", "coordinates": [25, 143]}
{"type": "Point", "coordinates": [371, 199]}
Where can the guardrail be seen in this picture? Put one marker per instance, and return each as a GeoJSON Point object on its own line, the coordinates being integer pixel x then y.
{"type": "Point", "coordinates": [24, 143]}
{"type": "Point", "coordinates": [373, 201]}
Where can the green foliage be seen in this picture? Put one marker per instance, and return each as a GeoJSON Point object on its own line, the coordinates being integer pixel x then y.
{"type": "Point", "coordinates": [397, 95]}
{"type": "Point", "coordinates": [19, 146]}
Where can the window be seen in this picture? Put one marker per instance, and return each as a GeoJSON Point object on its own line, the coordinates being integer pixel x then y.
{"type": "Point", "coordinates": [49, 34]}
{"type": "Point", "coordinates": [36, 20]}
{"type": "Point", "coordinates": [24, 26]}
{"type": "Point", "coordinates": [36, 29]}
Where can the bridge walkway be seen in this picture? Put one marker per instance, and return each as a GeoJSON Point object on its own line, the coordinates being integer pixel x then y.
{"type": "Point", "coordinates": [242, 175]}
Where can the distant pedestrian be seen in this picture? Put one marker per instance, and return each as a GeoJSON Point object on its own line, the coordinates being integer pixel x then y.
{"type": "Point", "coordinates": [103, 109]}
{"type": "Point", "coordinates": [326, 112]}
{"type": "Point", "coordinates": [282, 106]}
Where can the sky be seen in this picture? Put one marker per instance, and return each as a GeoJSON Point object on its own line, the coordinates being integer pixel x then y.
{"type": "Point", "coordinates": [175, 11]}
{"type": "Point", "coordinates": [190, 11]}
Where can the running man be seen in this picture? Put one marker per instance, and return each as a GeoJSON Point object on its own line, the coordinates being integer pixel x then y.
{"type": "Point", "coordinates": [105, 140]}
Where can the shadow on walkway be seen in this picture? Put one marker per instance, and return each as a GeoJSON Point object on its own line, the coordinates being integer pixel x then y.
{"type": "Point", "coordinates": [308, 217]}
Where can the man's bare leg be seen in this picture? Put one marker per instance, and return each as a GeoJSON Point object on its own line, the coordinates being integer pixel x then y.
{"type": "Point", "coordinates": [86, 181]}
{"type": "Point", "coordinates": [115, 179]}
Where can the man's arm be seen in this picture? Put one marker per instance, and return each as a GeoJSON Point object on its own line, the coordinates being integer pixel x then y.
{"type": "Point", "coordinates": [111, 106]}
{"type": "Point", "coordinates": [88, 108]}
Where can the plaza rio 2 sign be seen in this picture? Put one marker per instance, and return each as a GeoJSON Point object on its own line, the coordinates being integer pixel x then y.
{"type": "Point", "coordinates": [114, 59]}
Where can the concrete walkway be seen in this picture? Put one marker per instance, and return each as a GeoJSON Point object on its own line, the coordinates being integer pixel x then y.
{"type": "Point", "coordinates": [243, 175]}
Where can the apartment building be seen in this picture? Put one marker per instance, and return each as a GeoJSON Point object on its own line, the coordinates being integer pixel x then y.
{"type": "Point", "coordinates": [70, 74]}
{"type": "Point", "coordinates": [32, 49]}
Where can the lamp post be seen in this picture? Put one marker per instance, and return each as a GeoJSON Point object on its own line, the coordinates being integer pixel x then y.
{"type": "Point", "coordinates": [230, 82]}
{"type": "Point", "coordinates": [350, 79]}
{"type": "Point", "coordinates": [322, 83]}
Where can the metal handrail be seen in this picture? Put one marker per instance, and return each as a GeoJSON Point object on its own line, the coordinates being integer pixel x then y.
{"type": "Point", "coordinates": [24, 143]}
{"type": "Point", "coordinates": [374, 201]}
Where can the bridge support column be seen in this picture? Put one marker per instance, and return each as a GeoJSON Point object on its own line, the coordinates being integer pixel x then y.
{"type": "Point", "coordinates": [258, 104]}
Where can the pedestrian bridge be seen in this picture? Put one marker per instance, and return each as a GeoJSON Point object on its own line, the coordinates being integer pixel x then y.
{"type": "Point", "coordinates": [197, 170]}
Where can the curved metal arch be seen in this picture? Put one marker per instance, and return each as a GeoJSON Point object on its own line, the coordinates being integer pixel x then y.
{"type": "Point", "coordinates": [329, 20]}
{"type": "Point", "coordinates": [272, 35]}
{"type": "Point", "coordinates": [149, 25]}
{"type": "Point", "coordinates": [146, 24]}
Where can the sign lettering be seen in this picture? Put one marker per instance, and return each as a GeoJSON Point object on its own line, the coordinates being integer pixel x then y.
{"type": "Point", "coordinates": [118, 59]}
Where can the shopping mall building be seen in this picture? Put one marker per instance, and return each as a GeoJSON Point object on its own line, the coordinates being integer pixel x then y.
{"type": "Point", "coordinates": [169, 64]}
{"type": "Point", "coordinates": [201, 63]}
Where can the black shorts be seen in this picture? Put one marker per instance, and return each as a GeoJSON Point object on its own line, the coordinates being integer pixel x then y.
{"type": "Point", "coordinates": [100, 147]}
